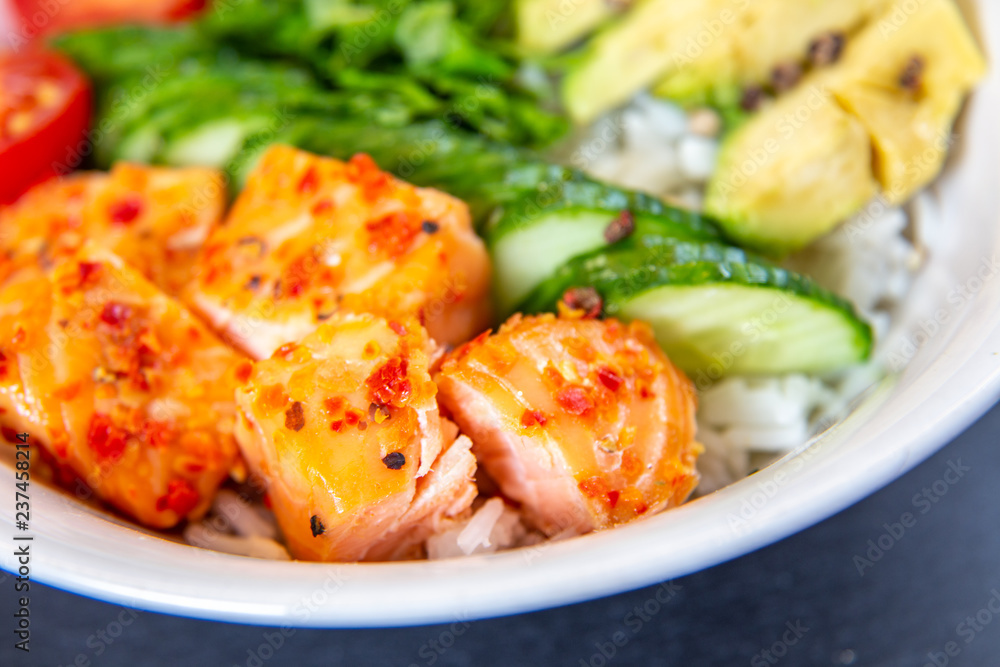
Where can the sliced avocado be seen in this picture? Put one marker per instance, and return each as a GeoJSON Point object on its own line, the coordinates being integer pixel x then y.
{"type": "Point", "coordinates": [699, 51]}
{"type": "Point", "coordinates": [905, 77]}
{"type": "Point", "coordinates": [762, 35]}
{"type": "Point", "coordinates": [634, 52]}
{"type": "Point", "coordinates": [547, 26]}
{"type": "Point", "coordinates": [792, 172]}
{"type": "Point", "coordinates": [778, 31]}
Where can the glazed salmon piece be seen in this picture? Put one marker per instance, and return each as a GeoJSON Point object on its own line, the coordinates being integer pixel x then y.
{"type": "Point", "coordinates": [121, 384]}
{"type": "Point", "coordinates": [25, 300]}
{"type": "Point", "coordinates": [345, 429]}
{"type": "Point", "coordinates": [584, 422]}
{"type": "Point", "coordinates": [310, 236]}
{"type": "Point", "coordinates": [156, 219]}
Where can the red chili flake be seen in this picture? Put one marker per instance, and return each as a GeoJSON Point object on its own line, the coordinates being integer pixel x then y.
{"type": "Point", "coordinates": [181, 497]}
{"type": "Point", "coordinates": [316, 526]}
{"type": "Point", "coordinates": [140, 380]}
{"type": "Point", "coordinates": [613, 498]}
{"type": "Point", "coordinates": [388, 385]}
{"type": "Point", "coordinates": [107, 440]}
{"type": "Point", "coordinates": [392, 234]}
{"type": "Point", "coordinates": [284, 351]}
{"type": "Point", "coordinates": [373, 181]}
{"type": "Point", "coordinates": [322, 206]}
{"type": "Point", "coordinates": [631, 464]}
{"type": "Point", "coordinates": [297, 277]}
{"type": "Point", "coordinates": [361, 164]}
{"type": "Point", "coordinates": [67, 392]}
{"type": "Point", "coordinates": [478, 341]}
{"type": "Point", "coordinates": [125, 211]}
{"type": "Point", "coordinates": [295, 418]}
{"type": "Point", "coordinates": [533, 417]}
{"type": "Point", "coordinates": [645, 391]}
{"type": "Point", "coordinates": [352, 417]}
{"type": "Point", "coordinates": [243, 371]}
{"type": "Point", "coordinates": [620, 228]}
{"type": "Point", "coordinates": [334, 405]}
{"type": "Point", "coordinates": [157, 433]}
{"type": "Point", "coordinates": [394, 461]}
{"type": "Point", "coordinates": [60, 445]}
{"type": "Point", "coordinates": [552, 375]}
{"type": "Point", "coordinates": [212, 274]}
{"type": "Point", "coordinates": [574, 400]}
{"type": "Point", "coordinates": [115, 314]}
{"type": "Point", "coordinates": [88, 271]}
{"type": "Point", "coordinates": [594, 487]}
{"type": "Point", "coordinates": [398, 328]}
{"type": "Point", "coordinates": [309, 182]}
{"type": "Point", "coordinates": [641, 507]}
{"type": "Point", "coordinates": [609, 378]}
{"type": "Point", "coordinates": [586, 299]}
{"type": "Point", "coordinates": [336, 425]}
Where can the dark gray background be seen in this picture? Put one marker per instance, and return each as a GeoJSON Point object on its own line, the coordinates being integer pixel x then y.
{"type": "Point", "coordinates": [905, 610]}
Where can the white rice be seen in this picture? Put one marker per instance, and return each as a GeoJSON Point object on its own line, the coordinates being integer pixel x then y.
{"type": "Point", "coordinates": [237, 526]}
{"type": "Point", "coordinates": [493, 526]}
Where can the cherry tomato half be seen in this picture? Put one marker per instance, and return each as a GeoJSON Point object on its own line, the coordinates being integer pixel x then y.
{"type": "Point", "coordinates": [44, 117]}
{"type": "Point", "coordinates": [50, 16]}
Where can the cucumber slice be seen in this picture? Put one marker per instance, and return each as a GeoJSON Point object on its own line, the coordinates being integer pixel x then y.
{"type": "Point", "coordinates": [717, 310]}
{"type": "Point", "coordinates": [529, 242]}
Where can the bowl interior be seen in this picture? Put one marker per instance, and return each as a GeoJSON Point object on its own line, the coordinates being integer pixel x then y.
{"type": "Point", "coordinates": [953, 377]}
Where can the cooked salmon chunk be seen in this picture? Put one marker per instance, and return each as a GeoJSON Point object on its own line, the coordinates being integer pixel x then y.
{"type": "Point", "coordinates": [311, 236]}
{"type": "Point", "coordinates": [120, 383]}
{"type": "Point", "coordinates": [586, 423]}
{"type": "Point", "coordinates": [344, 427]}
{"type": "Point", "coordinates": [25, 298]}
{"type": "Point", "coordinates": [156, 219]}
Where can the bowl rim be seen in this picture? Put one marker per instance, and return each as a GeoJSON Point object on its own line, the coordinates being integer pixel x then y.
{"type": "Point", "coordinates": [950, 384]}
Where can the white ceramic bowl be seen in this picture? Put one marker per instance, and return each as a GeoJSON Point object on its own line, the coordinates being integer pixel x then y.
{"type": "Point", "coordinates": [953, 379]}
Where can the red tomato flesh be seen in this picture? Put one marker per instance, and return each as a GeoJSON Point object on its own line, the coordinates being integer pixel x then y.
{"type": "Point", "coordinates": [44, 116]}
{"type": "Point", "coordinates": [57, 16]}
